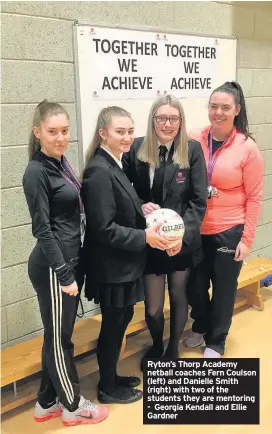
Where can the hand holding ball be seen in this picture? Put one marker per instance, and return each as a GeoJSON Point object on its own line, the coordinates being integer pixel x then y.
{"type": "Point", "coordinates": [172, 226]}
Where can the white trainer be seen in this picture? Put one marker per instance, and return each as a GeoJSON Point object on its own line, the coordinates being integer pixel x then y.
{"type": "Point", "coordinates": [86, 413]}
{"type": "Point", "coordinates": [43, 414]}
{"type": "Point", "coordinates": [211, 354]}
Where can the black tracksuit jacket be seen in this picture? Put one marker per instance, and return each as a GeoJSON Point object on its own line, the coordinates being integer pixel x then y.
{"type": "Point", "coordinates": [55, 212]}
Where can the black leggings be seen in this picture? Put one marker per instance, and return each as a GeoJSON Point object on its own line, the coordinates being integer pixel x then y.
{"type": "Point", "coordinates": [114, 324]}
{"type": "Point", "coordinates": [59, 376]}
{"type": "Point", "coordinates": [154, 303]}
{"type": "Point", "coordinates": [213, 316]}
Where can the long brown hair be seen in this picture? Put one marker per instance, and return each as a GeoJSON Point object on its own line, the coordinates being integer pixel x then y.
{"type": "Point", "coordinates": [240, 121]}
{"type": "Point", "coordinates": [148, 151]}
{"type": "Point", "coordinates": [103, 121]}
{"type": "Point", "coordinates": [44, 109]}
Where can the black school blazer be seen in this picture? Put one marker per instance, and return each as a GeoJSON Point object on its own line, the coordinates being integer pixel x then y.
{"type": "Point", "coordinates": [184, 190]}
{"type": "Point", "coordinates": [114, 244]}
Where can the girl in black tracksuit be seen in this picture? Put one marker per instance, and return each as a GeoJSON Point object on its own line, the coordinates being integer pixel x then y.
{"type": "Point", "coordinates": [53, 197]}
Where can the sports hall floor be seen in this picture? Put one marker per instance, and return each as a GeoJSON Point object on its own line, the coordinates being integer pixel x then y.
{"type": "Point", "coordinates": [250, 336]}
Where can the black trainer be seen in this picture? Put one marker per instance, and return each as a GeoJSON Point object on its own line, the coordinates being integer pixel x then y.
{"type": "Point", "coordinates": [120, 395]}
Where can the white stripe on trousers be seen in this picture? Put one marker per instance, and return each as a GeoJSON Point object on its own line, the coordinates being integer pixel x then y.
{"type": "Point", "coordinates": [56, 300]}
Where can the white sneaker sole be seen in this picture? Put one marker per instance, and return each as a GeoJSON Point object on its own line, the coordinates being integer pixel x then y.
{"type": "Point", "coordinates": [84, 421]}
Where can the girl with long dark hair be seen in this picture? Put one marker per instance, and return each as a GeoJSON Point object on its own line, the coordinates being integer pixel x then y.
{"type": "Point", "coordinates": [235, 176]}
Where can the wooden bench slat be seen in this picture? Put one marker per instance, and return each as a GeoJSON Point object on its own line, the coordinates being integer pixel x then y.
{"type": "Point", "coordinates": [254, 271]}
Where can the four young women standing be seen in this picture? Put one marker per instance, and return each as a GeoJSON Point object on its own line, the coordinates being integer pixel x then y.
{"type": "Point", "coordinates": [167, 170]}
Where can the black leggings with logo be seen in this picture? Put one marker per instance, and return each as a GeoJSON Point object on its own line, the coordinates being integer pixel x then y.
{"type": "Point", "coordinates": [213, 317]}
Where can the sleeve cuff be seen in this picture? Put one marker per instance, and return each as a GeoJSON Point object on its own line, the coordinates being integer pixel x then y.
{"type": "Point", "coordinates": [247, 242]}
{"type": "Point", "coordinates": [65, 275]}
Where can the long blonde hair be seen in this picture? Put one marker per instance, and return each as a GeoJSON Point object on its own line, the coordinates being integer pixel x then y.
{"type": "Point", "coordinates": [103, 121]}
{"type": "Point", "coordinates": [148, 151]}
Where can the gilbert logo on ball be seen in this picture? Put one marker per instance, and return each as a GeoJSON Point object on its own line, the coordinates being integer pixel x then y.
{"type": "Point", "coordinates": [172, 224]}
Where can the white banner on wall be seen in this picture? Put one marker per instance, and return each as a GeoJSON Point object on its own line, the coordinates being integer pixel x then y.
{"type": "Point", "coordinates": [143, 65]}
{"type": "Point", "coordinates": [131, 68]}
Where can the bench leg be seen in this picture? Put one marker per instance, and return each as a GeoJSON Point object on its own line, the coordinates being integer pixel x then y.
{"type": "Point", "coordinates": [254, 297]}
{"type": "Point", "coordinates": [123, 347]}
{"type": "Point", "coordinates": [15, 389]}
{"type": "Point", "coordinates": [256, 301]}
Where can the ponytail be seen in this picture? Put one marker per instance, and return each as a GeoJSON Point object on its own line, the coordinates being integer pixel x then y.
{"type": "Point", "coordinates": [240, 121]}
{"type": "Point", "coordinates": [43, 109]}
{"type": "Point", "coordinates": [34, 146]}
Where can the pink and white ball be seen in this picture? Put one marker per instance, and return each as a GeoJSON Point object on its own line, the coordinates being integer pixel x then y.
{"type": "Point", "coordinates": [172, 227]}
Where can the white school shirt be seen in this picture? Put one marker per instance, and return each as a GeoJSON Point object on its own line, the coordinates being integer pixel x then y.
{"type": "Point", "coordinates": [119, 162]}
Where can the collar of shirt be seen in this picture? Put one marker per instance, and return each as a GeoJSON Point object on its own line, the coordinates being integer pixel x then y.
{"type": "Point", "coordinates": [168, 145]}
{"type": "Point", "coordinates": [56, 161]}
{"type": "Point", "coordinates": [119, 162]}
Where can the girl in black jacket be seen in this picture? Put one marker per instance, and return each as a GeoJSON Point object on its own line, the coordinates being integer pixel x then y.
{"type": "Point", "coordinates": [114, 246]}
{"type": "Point", "coordinates": [168, 171]}
{"type": "Point", "coordinates": [53, 196]}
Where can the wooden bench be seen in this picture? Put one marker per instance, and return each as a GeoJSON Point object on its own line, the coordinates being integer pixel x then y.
{"type": "Point", "coordinates": [249, 282]}
{"type": "Point", "coordinates": [22, 361]}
